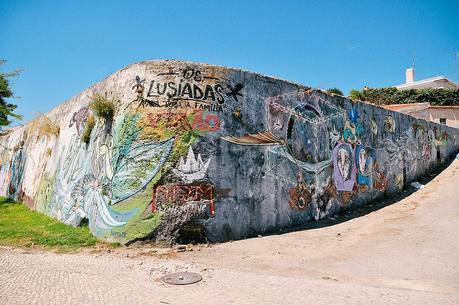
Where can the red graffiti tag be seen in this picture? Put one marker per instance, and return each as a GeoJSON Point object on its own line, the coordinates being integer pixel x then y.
{"type": "Point", "coordinates": [202, 121]}
{"type": "Point", "coordinates": [211, 122]}
{"type": "Point", "coordinates": [177, 194]}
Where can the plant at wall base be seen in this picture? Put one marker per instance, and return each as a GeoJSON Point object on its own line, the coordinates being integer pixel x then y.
{"type": "Point", "coordinates": [103, 107]}
{"type": "Point", "coordinates": [7, 109]}
{"type": "Point", "coordinates": [86, 134]}
{"type": "Point", "coordinates": [335, 91]}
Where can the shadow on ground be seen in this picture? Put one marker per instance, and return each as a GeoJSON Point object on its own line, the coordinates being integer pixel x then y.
{"type": "Point", "coordinates": [346, 215]}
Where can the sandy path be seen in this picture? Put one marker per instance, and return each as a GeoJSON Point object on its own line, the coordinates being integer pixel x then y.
{"type": "Point", "coordinates": [413, 244]}
{"type": "Point", "coordinates": [405, 253]}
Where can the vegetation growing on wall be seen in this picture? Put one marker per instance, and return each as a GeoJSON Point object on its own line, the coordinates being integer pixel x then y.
{"type": "Point", "coordinates": [46, 127]}
{"type": "Point", "coordinates": [86, 135]}
{"type": "Point", "coordinates": [103, 107]}
{"type": "Point", "coordinates": [42, 126]}
{"type": "Point", "coordinates": [391, 95]}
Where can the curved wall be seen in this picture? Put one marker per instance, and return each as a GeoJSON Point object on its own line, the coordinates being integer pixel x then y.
{"type": "Point", "coordinates": [228, 151]}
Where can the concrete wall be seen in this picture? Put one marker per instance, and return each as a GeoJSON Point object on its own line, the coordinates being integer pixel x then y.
{"type": "Point", "coordinates": [228, 151]}
{"type": "Point", "coordinates": [451, 114]}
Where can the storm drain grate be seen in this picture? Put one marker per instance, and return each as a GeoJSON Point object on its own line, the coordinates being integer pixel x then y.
{"type": "Point", "coordinates": [182, 278]}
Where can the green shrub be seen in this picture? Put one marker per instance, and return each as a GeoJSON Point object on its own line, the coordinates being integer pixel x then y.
{"type": "Point", "coordinates": [391, 95]}
{"type": "Point", "coordinates": [335, 91]}
{"type": "Point", "coordinates": [356, 95]}
{"type": "Point", "coordinates": [103, 107]}
{"type": "Point", "coordinates": [86, 134]}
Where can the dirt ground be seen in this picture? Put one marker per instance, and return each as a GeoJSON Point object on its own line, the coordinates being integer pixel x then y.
{"type": "Point", "coordinates": [404, 253]}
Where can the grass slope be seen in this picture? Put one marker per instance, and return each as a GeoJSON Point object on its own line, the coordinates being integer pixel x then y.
{"type": "Point", "coordinates": [21, 227]}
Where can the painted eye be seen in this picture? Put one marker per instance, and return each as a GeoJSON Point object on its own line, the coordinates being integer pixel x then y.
{"type": "Point", "coordinates": [301, 203]}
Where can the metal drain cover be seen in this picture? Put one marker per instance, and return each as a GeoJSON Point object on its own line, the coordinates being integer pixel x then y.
{"type": "Point", "coordinates": [182, 278]}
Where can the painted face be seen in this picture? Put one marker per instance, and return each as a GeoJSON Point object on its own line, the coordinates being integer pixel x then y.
{"type": "Point", "coordinates": [362, 160]}
{"type": "Point", "coordinates": [374, 127]}
{"type": "Point", "coordinates": [344, 163]}
{"type": "Point", "coordinates": [390, 124]}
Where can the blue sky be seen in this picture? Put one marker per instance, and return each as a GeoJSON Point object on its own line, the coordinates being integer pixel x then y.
{"type": "Point", "coordinates": [64, 47]}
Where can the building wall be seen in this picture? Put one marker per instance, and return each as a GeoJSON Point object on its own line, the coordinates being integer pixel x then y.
{"type": "Point", "coordinates": [231, 152]}
{"type": "Point", "coordinates": [430, 113]}
{"type": "Point", "coordinates": [450, 113]}
{"type": "Point", "coordinates": [439, 83]}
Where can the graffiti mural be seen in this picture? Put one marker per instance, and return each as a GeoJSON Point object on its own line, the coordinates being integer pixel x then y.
{"type": "Point", "coordinates": [198, 198]}
{"type": "Point", "coordinates": [196, 120]}
{"type": "Point", "coordinates": [229, 151]}
{"type": "Point", "coordinates": [106, 181]}
{"type": "Point", "coordinates": [389, 124]}
{"type": "Point", "coordinates": [364, 162]}
{"type": "Point", "coordinates": [374, 127]}
{"type": "Point", "coordinates": [401, 151]}
{"type": "Point", "coordinates": [344, 167]}
{"type": "Point", "coordinates": [119, 167]}
{"type": "Point", "coordinates": [442, 139]}
{"type": "Point", "coordinates": [192, 169]}
{"type": "Point", "coordinates": [189, 88]}
{"type": "Point", "coordinates": [16, 171]}
{"type": "Point", "coordinates": [79, 119]}
{"type": "Point", "coordinates": [300, 196]}
{"type": "Point", "coordinates": [297, 121]}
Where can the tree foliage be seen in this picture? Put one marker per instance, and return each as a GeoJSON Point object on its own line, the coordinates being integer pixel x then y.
{"type": "Point", "coordinates": [391, 95]}
{"type": "Point", "coordinates": [335, 91]}
{"type": "Point", "coordinates": [356, 95]}
{"type": "Point", "coordinates": [7, 114]}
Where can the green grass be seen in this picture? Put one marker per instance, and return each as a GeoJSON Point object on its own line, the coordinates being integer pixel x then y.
{"type": "Point", "coordinates": [21, 227]}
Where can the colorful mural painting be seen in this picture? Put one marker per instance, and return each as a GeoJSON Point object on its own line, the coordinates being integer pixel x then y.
{"type": "Point", "coordinates": [234, 152]}
{"type": "Point", "coordinates": [344, 167]}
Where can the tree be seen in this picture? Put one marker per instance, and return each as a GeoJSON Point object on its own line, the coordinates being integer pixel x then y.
{"type": "Point", "coordinates": [335, 91]}
{"type": "Point", "coordinates": [356, 95]}
{"type": "Point", "coordinates": [7, 114]}
{"type": "Point", "coordinates": [391, 95]}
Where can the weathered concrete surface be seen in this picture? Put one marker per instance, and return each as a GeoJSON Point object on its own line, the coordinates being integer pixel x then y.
{"type": "Point", "coordinates": [406, 253]}
{"type": "Point", "coordinates": [227, 153]}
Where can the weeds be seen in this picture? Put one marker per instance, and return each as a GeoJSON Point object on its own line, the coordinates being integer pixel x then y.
{"type": "Point", "coordinates": [44, 126]}
{"type": "Point", "coordinates": [103, 107]}
{"type": "Point", "coordinates": [86, 134]}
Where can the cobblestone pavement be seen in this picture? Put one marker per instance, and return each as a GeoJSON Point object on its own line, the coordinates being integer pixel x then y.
{"type": "Point", "coordinates": [406, 253]}
{"type": "Point", "coordinates": [48, 278]}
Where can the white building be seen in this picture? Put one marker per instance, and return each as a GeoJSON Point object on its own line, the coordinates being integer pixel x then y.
{"type": "Point", "coordinates": [447, 115]}
{"type": "Point", "coordinates": [440, 82]}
